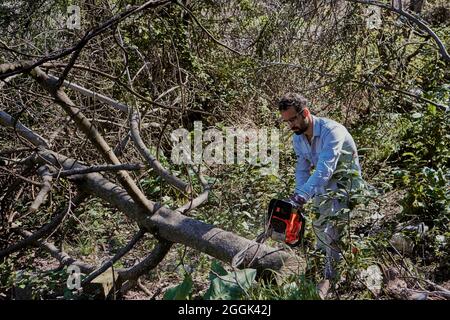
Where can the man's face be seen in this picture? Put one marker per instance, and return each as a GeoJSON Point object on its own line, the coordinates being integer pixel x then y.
{"type": "Point", "coordinates": [295, 120]}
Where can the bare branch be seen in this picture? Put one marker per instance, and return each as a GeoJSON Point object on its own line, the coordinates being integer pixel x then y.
{"type": "Point", "coordinates": [151, 160]}
{"type": "Point", "coordinates": [106, 99]}
{"type": "Point", "coordinates": [99, 168]}
{"type": "Point", "coordinates": [47, 178]}
{"type": "Point", "coordinates": [206, 30]}
{"type": "Point", "coordinates": [115, 258]}
{"type": "Point", "coordinates": [195, 202]}
{"type": "Point", "coordinates": [39, 184]}
{"type": "Point", "coordinates": [7, 121]}
{"type": "Point", "coordinates": [148, 263]}
{"type": "Point", "coordinates": [94, 136]}
{"type": "Point", "coordinates": [61, 256]}
{"type": "Point", "coordinates": [92, 94]}
{"type": "Point", "coordinates": [420, 23]}
{"type": "Point", "coordinates": [46, 229]}
{"type": "Point", "coordinates": [7, 70]}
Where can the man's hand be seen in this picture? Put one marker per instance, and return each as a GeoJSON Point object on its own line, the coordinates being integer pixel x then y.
{"type": "Point", "coordinates": [296, 200]}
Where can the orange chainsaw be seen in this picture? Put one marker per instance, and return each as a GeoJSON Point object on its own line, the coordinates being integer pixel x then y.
{"type": "Point", "coordinates": [285, 222]}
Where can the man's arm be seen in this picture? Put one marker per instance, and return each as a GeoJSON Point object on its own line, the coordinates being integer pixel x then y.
{"type": "Point", "coordinates": [302, 172]}
{"type": "Point", "coordinates": [326, 164]}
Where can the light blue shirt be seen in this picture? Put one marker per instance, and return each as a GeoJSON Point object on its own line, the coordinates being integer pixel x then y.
{"type": "Point", "coordinates": [331, 146]}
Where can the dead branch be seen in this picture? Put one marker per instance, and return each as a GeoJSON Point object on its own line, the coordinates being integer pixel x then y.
{"type": "Point", "coordinates": [47, 178]}
{"type": "Point", "coordinates": [88, 93]}
{"type": "Point", "coordinates": [63, 258]}
{"type": "Point", "coordinates": [38, 184]}
{"type": "Point", "coordinates": [148, 263]}
{"type": "Point", "coordinates": [7, 121]}
{"type": "Point", "coordinates": [151, 160]}
{"type": "Point", "coordinates": [115, 258]}
{"type": "Point", "coordinates": [46, 229]}
{"type": "Point", "coordinates": [105, 99]}
{"type": "Point", "coordinates": [195, 202]}
{"type": "Point", "coordinates": [177, 228]}
{"type": "Point", "coordinates": [99, 168]}
{"type": "Point", "coordinates": [93, 135]}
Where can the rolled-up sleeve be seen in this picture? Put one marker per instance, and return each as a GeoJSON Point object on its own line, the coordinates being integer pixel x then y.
{"type": "Point", "coordinates": [326, 164]}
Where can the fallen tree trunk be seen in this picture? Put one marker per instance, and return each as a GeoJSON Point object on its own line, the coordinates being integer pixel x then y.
{"type": "Point", "coordinates": [175, 227]}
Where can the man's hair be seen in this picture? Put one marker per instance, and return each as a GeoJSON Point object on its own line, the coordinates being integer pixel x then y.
{"type": "Point", "coordinates": [292, 100]}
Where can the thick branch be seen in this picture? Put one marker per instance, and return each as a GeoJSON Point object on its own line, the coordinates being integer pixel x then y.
{"type": "Point", "coordinates": [174, 227]}
{"type": "Point", "coordinates": [94, 136]}
{"type": "Point", "coordinates": [88, 93]}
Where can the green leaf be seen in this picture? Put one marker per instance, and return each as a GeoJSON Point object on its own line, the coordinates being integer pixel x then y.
{"type": "Point", "coordinates": [230, 286]}
{"type": "Point", "coordinates": [216, 269]}
{"type": "Point", "coordinates": [180, 292]}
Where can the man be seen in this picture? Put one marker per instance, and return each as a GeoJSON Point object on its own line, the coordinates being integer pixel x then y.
{"type": "Point", "coordinates": [325, 146]}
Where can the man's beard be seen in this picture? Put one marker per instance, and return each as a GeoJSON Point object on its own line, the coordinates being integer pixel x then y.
{"type": "Point", "coordinates": [299, 131]}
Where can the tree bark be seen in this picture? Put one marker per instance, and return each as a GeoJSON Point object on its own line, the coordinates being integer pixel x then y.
{"type": "Point", "coordinates": [175, 227]}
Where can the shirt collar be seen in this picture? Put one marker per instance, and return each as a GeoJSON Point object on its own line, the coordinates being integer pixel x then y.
{"type": "Point", "coordinates": [316, 126]}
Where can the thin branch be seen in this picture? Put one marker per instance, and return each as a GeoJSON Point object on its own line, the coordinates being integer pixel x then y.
{"type": "Point", "coordinates": [7, 70]}
{"type": "Point", "coordinates": [46, 229]}
{"type": "Point", "coordinates": [115, 258]}
{"type": "Point", "coordinates": [99, 168]}
{"type": "Point", "coordinates": [420, 23]}
{"type": "Point", "coordinates": [121, 145]}
{"type": "Point", "coordinates": [47, 178]}
{"type": "Point", "coordinates": [151, 160]}
{"type": "Point", "coordinates": [7, 121]}
{"type": "Point", "coordinates": [200, 199]}
{"type": "Point", "coordinates": [38, 184]}
{"type": "Point", "coordinates": [63, 258]}
{"type": "Point", "coordinates": [69, 66]}
{"type": "Point", "coordinates": [195, 202]}
{"type": "Point", "coordinates": [206, 30]}
{"type": "Point", "coordinates": [148, 263]}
